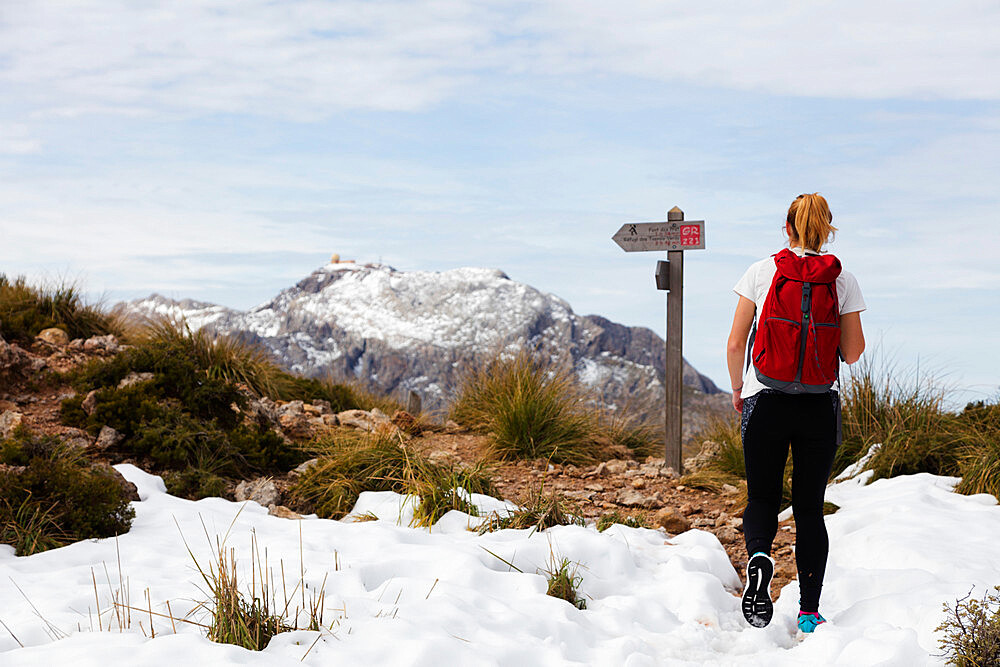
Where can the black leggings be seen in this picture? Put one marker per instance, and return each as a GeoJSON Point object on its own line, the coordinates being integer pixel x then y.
{"type": "Point", "coordinates": [809, 422]}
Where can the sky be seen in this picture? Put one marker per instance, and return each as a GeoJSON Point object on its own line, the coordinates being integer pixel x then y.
{"type": "Point", "coordinates": [218, 151]}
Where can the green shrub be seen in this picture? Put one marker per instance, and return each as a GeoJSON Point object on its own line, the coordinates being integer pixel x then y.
{"type": "Point", "coordinates": [538, 511]}
{"type": "Point", "coordinates": [194, 484]}
{"type": "Point", "coordinates": [25, 310]}
{"type": "Point", "coordinates": [970, 634]}
{"type": "Point", "coordinates": [347, 465]}
{"type": "Point", "coordinates": [564, 582]}
{"type": "Point", "coordinates": [436, 486]}
{"type": "Point", "coordinates": [57, 498]}
{"type": "Point", "coordinates": [903, 413]}
{"type": "Point", "coordinates": [531, 410]}
{"type": "Point", "coordinates": [609, 519]}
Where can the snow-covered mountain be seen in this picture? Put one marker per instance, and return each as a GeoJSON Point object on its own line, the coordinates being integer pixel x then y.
{"type": "Point", "coordinates": [417, 330]}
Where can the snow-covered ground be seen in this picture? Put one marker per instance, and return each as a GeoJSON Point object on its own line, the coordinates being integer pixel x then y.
{"type": "Point", "coordinates": [403, 596]}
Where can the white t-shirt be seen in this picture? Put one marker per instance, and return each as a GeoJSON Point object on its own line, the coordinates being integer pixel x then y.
{"type": "Point", "coordinates": [757, 281]}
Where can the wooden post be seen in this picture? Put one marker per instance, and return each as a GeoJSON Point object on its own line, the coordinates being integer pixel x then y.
{"type": "Point", "coordinates": [674, 343]}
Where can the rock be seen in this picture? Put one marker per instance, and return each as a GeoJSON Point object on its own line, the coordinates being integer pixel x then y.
{"type": "Point", "coordinates": [687, 509]}
{"type": "Point", "coordinates": [108, 437]}
{"type": "Point", "coordinates": [656, 461]}
{"type": "Point", "coordinates": [106, 343]}
{"type": "Point", "coordinates": [76, 344]}
{"type": "Point", "coordinates": [10, 420]}
{"type": "Point", "coordinates": [312, 410]}
{"type": "Point", "coordinates": [53, 336]}
{"type": "Point", "coordinates": [444, 458]}
{"type": "Point", "coordinates": [600, 469]}
{"type": "Point", "coordinates": [76, 438]}
{"type": "Point", "coordinates": [330, 420]}
{"type": "Point", "coordinates": [632, 498]}
{"type": "Point", "coordinates": [730, 489]}
{"type": "Point", "coordinates": [262, 491]}
{"type": "Point", "coordinates": [615, 467]}
{"type": "Point", "coordinates": [452, 427]}
{"type": "Point", "coordinates": [131, 492]}
{"type": "Point", "coordinates": [324, 407]}
{"type": "Point", "coordinates": [263, 410]}
{"type": "Point", "coordinates": [709, 450]}
{"type": "Point", "coordinates": [134, 378]}
{"type": "Point", "coordinates": [671, 520]}
{"type": "Point", "coordinates": [594, 487]}
{"type": "Point", "coordinates": [89, 402]}
{"type": "Point", "coordinates": [303, 468]}
{"type": "Point", "coordinates": [721, 520]}
{"type": "Point", "coordinates": [357, 418]}
{"type": "Point", "coordinates": [580, 496]}
{"type": "Point", "coordinates": [651, 470]}
{"type": "Point", "coordinates": [379, 417]}
{"type": "Point", "coordinates": [638, 483]}
{"type": "Point", "coordinates": [295, 425]}
{"type": "Point", "coordinates": [728, 535]}
{"type": "Point", "coordinates": [291, 408]}
{"type": "Point", "coordinates": [282, 512]}
{"type": "Point", "coordinates": [13, 359]}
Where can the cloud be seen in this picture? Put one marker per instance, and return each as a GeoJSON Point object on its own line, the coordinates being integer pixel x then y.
{"type": "Point", "coordinates": [309, 59]}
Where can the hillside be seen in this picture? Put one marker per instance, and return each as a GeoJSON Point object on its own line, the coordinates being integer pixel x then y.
{"type": "Point", "coordinates": [417, 330]}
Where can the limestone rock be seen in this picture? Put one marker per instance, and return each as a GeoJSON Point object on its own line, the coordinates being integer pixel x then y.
{"type": "Point", "coordinates": [330, 420]}
{"type": "Point", "coordinates": [108, 437]}
{"type": "Point", "coordinates": [379, 417]}
{"type": "Point", "coordinates": [708, 452]}
{"type": "Point", "coordinates": [444, 458]}
{"type": "Point", "coordinates": [9, 420]}
{"type": "Point", "coordinates": [134, 378]}
{"type": "Point", "coordinates": [295, 424]}
{"type": "Point", "coordinates": [13, 359]}
{"type": "Point", "coordinates": [671, 520]}
{"type": "Point", "coordinates": [357, 418]}
{"type": "Point", "coordinates": [632, 498]}
{"type": "Point", "coordinates": [728, 535]}
{"type": "Point", "coordinates": [616, 467]}
{"type": "Point", "coordinates": [311, 410]}
{"type": "Point", "coordinates": [324, 407]}
{"type": "Point", "coordinates": [106, 343]}
{"type": "Point", "coordinates": [89, 402]}
{"type": "Point", "coordinates": [76, 344]}
{"type": "Point", "coordinates": [76, 438]}
{"type": "Point", "coordinates": [53, 336]}
{"type": "Point", "coordinates": [262, 491]}
{"type": "Point", "coordinates": [303, 468]}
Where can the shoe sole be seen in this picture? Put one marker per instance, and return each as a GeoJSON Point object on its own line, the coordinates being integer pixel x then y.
{"type": "Point", "coordinates": [756, 605]}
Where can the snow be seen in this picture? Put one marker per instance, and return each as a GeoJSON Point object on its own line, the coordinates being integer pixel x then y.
{"type": "Point", "coordinates": [405, 596]}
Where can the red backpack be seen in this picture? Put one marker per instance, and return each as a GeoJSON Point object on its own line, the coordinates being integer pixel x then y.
{"type": "Point", "coordinates": [796, 339]}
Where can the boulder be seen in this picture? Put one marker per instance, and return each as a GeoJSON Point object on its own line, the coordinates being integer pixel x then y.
{"type": "Point", "coordinates": [330, 420]}
{"type": "Point", "coordinates": [671, 521]}
{"type": "Point", "coordinates": [358, 419]}
{"type": "Point", "coordinates": [311, 410]}
{"type": "Point", "coordinates": [10, 420]}
{"type": "Point", "coordinates": [728, 535]}
{"type": "Point", "coordinates": [89, 402]}
{"type": "Point", "coordinates": [76, 344]}
{"type": "Point", "coordinates": [295, 424]}
{"type": "Point", "coordinates": [324, 406]}
{"type": "Point", "coordinates": [291, 408]}
{"type": "Point", "coordinates": [108, 437]}
{"type": "Point", "coordinates": [134, 378]}
{"type": "Point", "coordinates": [106, 343]}
{"type": "Point", "coordinates": [262, 491]}
{"type": "Point", "coordinates": [380, 417]}
{"type": "Point", "coordinates": [76, 438]}
{"type": "Point", "coordinates": [13, 359]}
{"type": "Point", "coordinates": [53, 336]}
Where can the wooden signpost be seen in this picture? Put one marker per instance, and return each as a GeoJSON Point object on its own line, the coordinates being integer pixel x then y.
{"type": "Point", "coordinates": [675, 236]}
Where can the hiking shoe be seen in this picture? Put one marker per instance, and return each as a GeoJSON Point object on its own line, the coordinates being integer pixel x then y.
{"type": "Point", "coordinates": [757, 606]}
{"type": "Point", "coordinates": [808, 620]}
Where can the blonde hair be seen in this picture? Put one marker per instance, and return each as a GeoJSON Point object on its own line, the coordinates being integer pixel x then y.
{"type": "Point", "coordinates": [810, 219]}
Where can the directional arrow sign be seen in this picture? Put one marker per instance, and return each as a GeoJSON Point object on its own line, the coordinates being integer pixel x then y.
{"type": "Point", "coordinates": [640, 236]}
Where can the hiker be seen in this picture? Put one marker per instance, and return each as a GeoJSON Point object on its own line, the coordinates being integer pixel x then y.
{"type": "Point", "coordinates": [787, 394]}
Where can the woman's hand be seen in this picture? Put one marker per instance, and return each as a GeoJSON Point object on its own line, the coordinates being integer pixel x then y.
{"type": "Point", "coordinates": [738, 400]}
